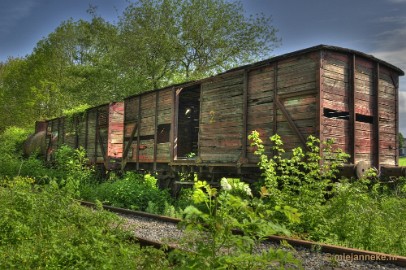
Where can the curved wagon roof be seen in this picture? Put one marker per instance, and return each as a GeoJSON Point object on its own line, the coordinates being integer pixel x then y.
{"type": "Point", "coordinates": [282, 57]}
{"type": "Point", "coordinates": [318, 48]}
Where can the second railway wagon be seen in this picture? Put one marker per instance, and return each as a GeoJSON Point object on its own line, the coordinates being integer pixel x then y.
{"type": "Point", "coordinates": [202, 126]}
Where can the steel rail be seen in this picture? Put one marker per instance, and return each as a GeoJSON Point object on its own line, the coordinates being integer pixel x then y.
{"type": "Point", "coordinates": [345, 252]}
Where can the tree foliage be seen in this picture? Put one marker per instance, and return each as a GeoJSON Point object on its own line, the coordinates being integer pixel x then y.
{"type": "Point", "coordinates": [155, 43]}
{"type": "Point", "coordinates": [173, 40]}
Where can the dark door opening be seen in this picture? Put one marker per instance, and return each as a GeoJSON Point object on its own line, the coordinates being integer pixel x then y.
{"type": "Point", "coordinates": [188, 123]}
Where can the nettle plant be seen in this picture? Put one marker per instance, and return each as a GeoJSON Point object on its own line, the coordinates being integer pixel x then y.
{"type": "Point", "coordinates": [211, 226]}
{"type": "Point", "coordinates": [300, 179]}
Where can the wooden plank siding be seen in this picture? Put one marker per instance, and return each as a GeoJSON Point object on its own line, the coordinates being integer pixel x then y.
{"type": "Point", "coordinates": [336, 89]}
{"type": "Point", "coordinates": [261, 85]}
{"type": "Point", "coordinates": [388, 111]}
{"type": "Point", "coordinates": [293, 82]}
{"type": "Point", "coordinates": [131, 128]}
{"type": "Point", "coordinates": [372, 144]}
{"type": "Point", "coordinates": [115, 130]}
{"type": "Point", "coordinates": [221, 119]}
{"type": "Point", "coordinates": [144, 114]}
{"type": "Point", "coordinates": [164, 117]}
{"type": "Point", "coordinates": [325, 91]}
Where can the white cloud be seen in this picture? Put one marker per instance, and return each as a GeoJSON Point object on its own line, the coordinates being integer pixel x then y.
{"type": "Point", "coordinates": [397, 1]}
{"type": "Point", "coordinates": [390, 45]}
{"type": "Point", "coordinates": [402, 102]}
{"type": "Point", "coordinates": [393, 19]}
{"type": "Point", "coordinates": [396, 57]}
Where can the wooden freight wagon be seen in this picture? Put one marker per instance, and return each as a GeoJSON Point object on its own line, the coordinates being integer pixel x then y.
{"type": "Point", "coordinates": [325, 91]}
{"type": "Point", "coordinates": [98, 130]}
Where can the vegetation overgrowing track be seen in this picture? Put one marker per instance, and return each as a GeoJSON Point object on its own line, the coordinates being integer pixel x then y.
{"type": "Point", "coordinates": [336, 253]}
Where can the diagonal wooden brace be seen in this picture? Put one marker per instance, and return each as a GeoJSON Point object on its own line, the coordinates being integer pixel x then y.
{"type": "Point", "coordinates": [290, 121]}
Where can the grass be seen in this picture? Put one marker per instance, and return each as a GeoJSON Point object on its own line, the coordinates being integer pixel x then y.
{"type": "Point", "coordinates": [402, 161]}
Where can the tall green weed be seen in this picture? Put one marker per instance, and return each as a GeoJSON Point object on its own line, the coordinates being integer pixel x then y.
{"type": "Point", "coordinates": [14, 164]}
{"type": "Point", "coordinates": [301, 179]}
{"type": "Point", "coordinates": [210, 225]}
{"type": "Point", "coordinates": [367, 213]}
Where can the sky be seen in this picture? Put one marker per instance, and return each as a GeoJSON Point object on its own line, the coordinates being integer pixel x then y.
{"type": "Point", "coordinates": [376, 27]}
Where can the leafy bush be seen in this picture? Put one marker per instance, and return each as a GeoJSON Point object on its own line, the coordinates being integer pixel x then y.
{"type": "Point", "coordinates": [72, 165]}
{"type": "Point", "coordinates": [48, 230]}
{"type": "Point", "coordinates": [133, 191]}
{"type": "Point", "coordinates": [12, 140]}
{"type": "Point", "coordinates": [12, 161]}
{"type": "Point", "coordinates": [11, 148]}
{"type": "Point", "coordinates": [363, 214]}
{"type": "Point", "coordinates": [210, 230]}
{"type": "Point", "coordinates": [301, 180]}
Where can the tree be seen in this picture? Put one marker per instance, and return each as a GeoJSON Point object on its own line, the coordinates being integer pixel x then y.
{"type": "Point", "coordinates": [155, 43]}
{"type": "Point", "coordinates": [167, 41]}
{"type": "Point", "coordinates": [74, 60]}
{"type": "Point", "coordinates": [216, 35]}
{"type": "Point", "coordinates": [148, 42]}
{"type": "Point", "coordinates": [17, 101]}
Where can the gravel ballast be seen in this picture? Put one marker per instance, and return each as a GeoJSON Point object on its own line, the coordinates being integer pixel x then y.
{"type": "Point", "coordinates": [165, 232]}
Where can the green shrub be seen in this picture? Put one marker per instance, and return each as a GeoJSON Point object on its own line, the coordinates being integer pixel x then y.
{"type": "Point", "coordinates": [72, 166]}
{"type": "Point", "coordinates": [210, 228]}
{"type": "Point", "coordinates": [133, 191]}
{"type": "Point", "coordinates": [361, 215]}
{"type": "Point", "coordinates": [11, 149]}
{"type": "Point", "coordinates": [48, 230]}
{"type": "Point", "coordinates": [301, 180]}
{"type": "Point", "coordinates": [70, 162]}
{"type": "Point", "coordinates": [12, 140]}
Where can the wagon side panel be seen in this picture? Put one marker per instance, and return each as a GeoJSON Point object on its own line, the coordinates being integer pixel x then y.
{"type": "Point", "coordinates": [365, 97]}
{"type": "Point", "coordinates": [116, 130]}
{"type": "Point", "coordinates": [260, 106]}
{"type": "Point", "coordinates": [131, 125]}
{"type": "Point", "coordinates": [296, 99]}
{"type": "Point", "coordinates": [336, 96]}
{"type": "Point", "coordinates": [91, 134]}
{"type": "Point", "coordinates": [147, 128]}
{"type": "Point", "coordinates": [164, 125]}
{"type": "Point", "coordinates": [388, 115]}
{"type": "Point", "coordinates": [221, 124]}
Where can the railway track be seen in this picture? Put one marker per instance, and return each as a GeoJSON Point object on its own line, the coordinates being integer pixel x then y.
{"type": "Point", "coordinates": [158, 231]}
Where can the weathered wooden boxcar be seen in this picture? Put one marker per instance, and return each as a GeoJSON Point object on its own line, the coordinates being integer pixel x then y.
{"type": "Point", "coordinates": [325, 91]}
{"type": "Point", "coordinates": [98, 130]}
{"type": "Point", "coordinates": [202, 126]}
